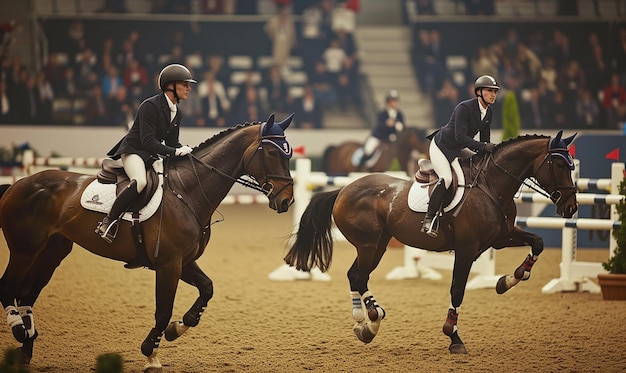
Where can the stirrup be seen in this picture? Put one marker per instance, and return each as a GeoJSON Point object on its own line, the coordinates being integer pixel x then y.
{"type": "Point", "coordinates": [107, 229]}
{"type": "Point", "coordinates": [429, 226]}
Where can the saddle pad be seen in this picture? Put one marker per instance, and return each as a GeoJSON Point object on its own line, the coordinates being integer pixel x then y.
{"type": "Point", "coordinates": [100, 197]}
{"type": "Point", "coordinates": [418, 194]}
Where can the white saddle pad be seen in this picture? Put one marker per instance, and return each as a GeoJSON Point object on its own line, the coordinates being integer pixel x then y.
{"type": "Point", "coordinates": [418, 194]}
{"type": "Point", "coordinates": [100, 197]}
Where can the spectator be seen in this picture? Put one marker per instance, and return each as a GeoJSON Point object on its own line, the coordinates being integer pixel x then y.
{"type": "Point", "coordinates": [25, 103]}
{"type": "Point", "coordinates": [308, 109]}
{"type": "Point", "coordinates": [54, 71]}
{"type": "Point", "coordinates": [215, 64]}
{"type": "Point", "coordinates": [322, 85]}
{"type": "Point", "coordinates": [111, 82]}
{"type": "Point", "coordinates": [587, 110]}
{"type": "Point", "coordinates": [119, 109]}
{"type": "Point", "coordinates": [45, 99]}
{"type": "Point", "coordinates": [136, 80]}
{"type": "Point", "coordinates": [249, 109]}
{"type": "Point", "coordinates": [548, 73]}
{"type": "Point", "coordinates": [86, 72]}
{"type": "Point", "coordinates": [614, 102]}
{"type": "Point", "coordinates": [560, 114]}
{"type": "Point", "coordinates": [5, 104]}
{"type": "Point", "coordinates": [597, 70]}
{"type": "Point", "coordinates": [343, 18]}
{"type": "Point", "coordinates": [570, 82]}
{"type": "Point", "coordinates": [212, 6]}
{"type": "Point", "coordinates": [213, 100]}
{"type": "Point", "coordinates": [314, 37]}
{"type": "Point", "coordinates": [67, 88]}
{"type": "Point", "coordinates": [95, 109]}
{"type": "Point", "coordinates": [276, 88]}
{"type": "Point", "coordinates": [446, 98]}
{"type": "Point", "coordinates": [483, 63]}
{"type": "Point", "coordinates": [281, 31]}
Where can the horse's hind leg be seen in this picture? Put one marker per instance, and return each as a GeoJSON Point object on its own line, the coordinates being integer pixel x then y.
{"type": "Point", "coordinates": [365, 310]}
{"type": "Point", "coordinates": [521, 237]}
{"type": "Point", "coordinates": [20, 315]}
{"type": "Point", "coordinates": [193, 275]}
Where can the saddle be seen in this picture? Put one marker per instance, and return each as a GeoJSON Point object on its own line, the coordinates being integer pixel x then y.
{"type": "Point", "coordinates": [426, 175]}
{"type": "Point", "coordinates": [112, 172]}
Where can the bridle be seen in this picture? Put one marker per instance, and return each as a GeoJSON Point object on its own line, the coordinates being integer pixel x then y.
{"type": "Point", "coordinates": [556, 195]}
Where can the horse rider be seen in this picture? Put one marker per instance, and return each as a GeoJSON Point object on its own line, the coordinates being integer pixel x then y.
{"type": "Point", "coordinates": [154, 133]}
{"type": "Point", "coordinates": [390, 121]}
{"type": "Point", "coordinates": [468, 118]}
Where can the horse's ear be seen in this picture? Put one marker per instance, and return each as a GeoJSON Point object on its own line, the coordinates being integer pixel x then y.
{"type": "Point", "coordinates": [558, 137]}
{"type": "Point", "coordinates": [569, 140]}
{"type": "Point", "coordinates": [268, 124]}
{"type": "Point", "coordinates": [286, 122]}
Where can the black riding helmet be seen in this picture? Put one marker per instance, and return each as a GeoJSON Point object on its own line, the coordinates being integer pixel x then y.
{"type": "Point", "coordinates": [174, 73]}
{"type": "Point", "coordinates": [485, 81]}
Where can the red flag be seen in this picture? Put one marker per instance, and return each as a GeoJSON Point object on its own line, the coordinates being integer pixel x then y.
{"type": "Point", "coordinates": [572, 150]}
{"type": "Point", "coordinates": [613, 155]}
{"type": "Point", "coordinates": [299, 150]}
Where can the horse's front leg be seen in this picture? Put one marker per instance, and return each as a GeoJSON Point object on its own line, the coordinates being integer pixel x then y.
{"type": "Point", "coordinates": [193, 275]}
{"type": "Point", "coordinates": [462, 264]}
{"type": "Point", "coordinates": [167, 277]}
{"type": "Point", "coordinates": [365, 310]}
{"type": "Point", "coordinates": [520, 237]}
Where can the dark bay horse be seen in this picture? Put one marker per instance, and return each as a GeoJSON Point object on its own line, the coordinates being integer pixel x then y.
{"type": "Point", "coordinates": [41, 217]}
{"type": "Point", "coordinates": [337, 159]}
{"type": "Point", "coordinates": [373, 209]}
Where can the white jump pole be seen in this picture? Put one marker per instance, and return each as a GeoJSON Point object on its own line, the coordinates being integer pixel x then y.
{"type": "Point", "coordinates": [575, 275]}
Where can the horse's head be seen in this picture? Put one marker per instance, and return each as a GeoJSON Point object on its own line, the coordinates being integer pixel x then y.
{"type": "Point", "coordinates": [554, 174]}
{"type": "Point", "coordinates": [268, 163]}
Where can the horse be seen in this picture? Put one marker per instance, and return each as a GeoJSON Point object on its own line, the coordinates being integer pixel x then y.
{"type": "Point", "coordinates": [41, 217]}
{"type": "Point", "coordinates": [337, 159]}
{"type": "Point", "coordinates": [373, 209]}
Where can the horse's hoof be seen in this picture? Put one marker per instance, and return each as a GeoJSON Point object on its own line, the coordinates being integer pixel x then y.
{"type": "Point", "coordinates": [363, 333]}
{"type": "Point", "coordinates": [153, 370]}
{"type": "Point", "coordinates": [501, 286]}
{"type": "Point", "coordinates": [170, 332]}
{"type": "Point", "coordinates": [458, 348]}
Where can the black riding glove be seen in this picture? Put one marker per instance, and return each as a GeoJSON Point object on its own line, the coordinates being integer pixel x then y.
{"type": "Point", "coordinates": [489, 147]}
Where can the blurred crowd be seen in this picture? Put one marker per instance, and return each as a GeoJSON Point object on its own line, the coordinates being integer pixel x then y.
{"type": "Point", "coordinates": [557, 83]}
{"type": "Point", "coordinates": [311, 67]}
{"type": "Point", "coordinates": [91, 84]}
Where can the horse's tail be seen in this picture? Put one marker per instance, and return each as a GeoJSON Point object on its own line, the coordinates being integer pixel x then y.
{"type": "Point", "coordinates": [326, 157]}
{"type": "Point", "coordinates": [3, 188]}
{"type": "Point", "coordinates": [314, 241]}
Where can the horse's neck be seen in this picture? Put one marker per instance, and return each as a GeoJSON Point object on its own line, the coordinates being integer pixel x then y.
{"type": "Point", "coordinates": [512, 165]}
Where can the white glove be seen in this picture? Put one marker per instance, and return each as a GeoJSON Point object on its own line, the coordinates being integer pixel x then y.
{"type": "Point", "coordinates": [183, 151]}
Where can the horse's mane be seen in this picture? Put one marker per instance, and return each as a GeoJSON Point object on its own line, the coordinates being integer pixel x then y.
{"type": "Point", "coordinates": [517, 139]}
{"type": "Point", "coordinates": [218, 136]}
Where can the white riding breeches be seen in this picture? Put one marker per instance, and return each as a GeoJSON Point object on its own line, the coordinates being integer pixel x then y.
{"type": "Point", "coordinates": [135, 169]}
{"type": "Point", "coordinates": [370, 145]}
{"type": "Point", "coordinates": [440, 164]}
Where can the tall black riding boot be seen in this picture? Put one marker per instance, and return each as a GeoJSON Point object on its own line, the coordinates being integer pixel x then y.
{"type": "Point", "coordinates": [364, 158]}
{"type": "Point", "coordinates": [107, 228]}
{"type": "Point", "coordinates": [430, 225]}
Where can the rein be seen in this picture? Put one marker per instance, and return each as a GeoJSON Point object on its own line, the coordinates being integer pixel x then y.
{"type": "Point", "coordinates": [556, 195]}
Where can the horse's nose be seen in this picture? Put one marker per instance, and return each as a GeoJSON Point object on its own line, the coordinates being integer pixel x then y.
{"type": "Point", "coordinates": [284, 205]}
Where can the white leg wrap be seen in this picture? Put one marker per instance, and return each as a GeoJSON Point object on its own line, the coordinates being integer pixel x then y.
{"type": "Point", "coordinates": [357, 306]}
{"type": "Point", "coordinates": [13, 316]}
{"type": "Point", "coordinates": [26, 313]}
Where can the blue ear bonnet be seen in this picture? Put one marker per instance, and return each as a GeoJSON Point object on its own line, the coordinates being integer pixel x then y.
{"type": "Point", "coordinates": [275, 136]}
{"type": "Point", "coordinates": [558, 147]}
